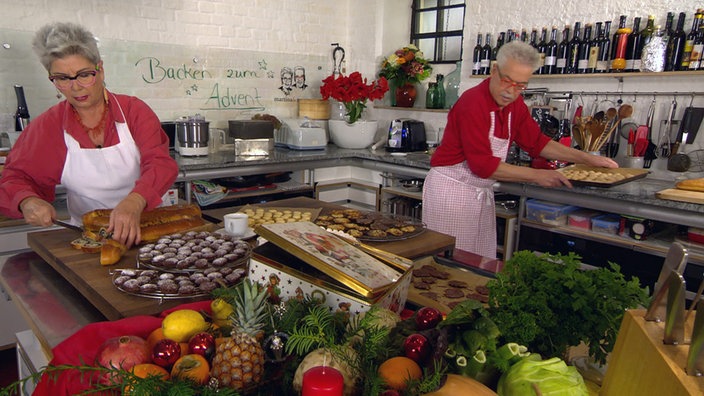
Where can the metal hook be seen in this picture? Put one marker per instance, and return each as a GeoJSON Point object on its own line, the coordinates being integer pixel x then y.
{"type": "Point", "coordinates": [691, 100]}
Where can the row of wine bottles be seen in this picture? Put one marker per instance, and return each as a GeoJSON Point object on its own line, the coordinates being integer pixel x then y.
{"type": "Point", "coordinates": [597, 51]}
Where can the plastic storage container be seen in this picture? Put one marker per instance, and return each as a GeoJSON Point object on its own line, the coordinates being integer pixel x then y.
{"type": "Point", "coordinates": [548, 212]}
{"type": "Point", "coordinates": [582, 218]}
{"type": "Point", "coordinates": [606, 224]}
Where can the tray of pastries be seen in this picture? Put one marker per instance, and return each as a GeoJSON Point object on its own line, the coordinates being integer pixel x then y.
{"type": "Point", "coordinates": [270, 215]}
{"type": "Point", "coordinates": [193, 252]}
{"type": "Point", "coordinates": [582, 175]}
{"type": "Point", "coordinates": [168, 285]}
{"type": "Point", "coordinates": [371, 226]}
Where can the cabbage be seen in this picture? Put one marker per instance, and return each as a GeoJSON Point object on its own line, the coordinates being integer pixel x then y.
{"type": "Point", "coordinates": [551, 376]}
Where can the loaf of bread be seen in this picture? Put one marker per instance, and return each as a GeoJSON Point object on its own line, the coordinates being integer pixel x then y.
{"type": "Point", "coordinates": [111, 252]}
{"type": "Point", "coordinates": [154, 223]}
{"type": "Point", "coordinates": [691, 184]}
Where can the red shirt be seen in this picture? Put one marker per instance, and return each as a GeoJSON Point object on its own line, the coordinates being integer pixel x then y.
{"type": "Point", "coordinates": [36, 161]}
{"type": "Point", "coordinates": [467, 132]}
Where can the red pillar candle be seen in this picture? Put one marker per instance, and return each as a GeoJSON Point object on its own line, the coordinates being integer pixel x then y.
{"type": "Point", "coordinates": [322, 381]}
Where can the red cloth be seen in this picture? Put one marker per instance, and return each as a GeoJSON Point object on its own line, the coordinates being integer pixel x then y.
{"type": "Point", "coordinates": [25, 176]}
{"type": "Point", "coordinates": [468, 123]}
{"type": "Point", "coordinates": [80, 348]}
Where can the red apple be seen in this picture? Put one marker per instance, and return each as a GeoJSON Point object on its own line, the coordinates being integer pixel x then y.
{"type": "Point", "coordinates": [166, 352]}
{"type": "Point", "coordinates": [122, 352]}
{"type": "Point", "coordinates": [416, 347]}
{"type": "Point", "coordinates": [202, 344]}
{"type": "Point", "coordinates": [427, 318]}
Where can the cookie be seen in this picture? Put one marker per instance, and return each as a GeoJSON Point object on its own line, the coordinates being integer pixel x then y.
{"type": "Point", "coordinates": [457, 283]}
{"type": "Point", "coordinates": [453, 293]}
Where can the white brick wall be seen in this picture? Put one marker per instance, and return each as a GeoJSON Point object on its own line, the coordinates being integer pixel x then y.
{"type": "Point", "coordinates": [367, 29]}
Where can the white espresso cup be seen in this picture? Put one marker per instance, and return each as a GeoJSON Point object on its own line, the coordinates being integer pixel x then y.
{"type": "Point", "coordinates": [236, 224]}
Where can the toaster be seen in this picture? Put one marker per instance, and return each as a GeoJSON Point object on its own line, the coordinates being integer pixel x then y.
{"type": "Point", "coordinates": [302, 134]}
{"type": "Point", "coordinates": [406, 135]}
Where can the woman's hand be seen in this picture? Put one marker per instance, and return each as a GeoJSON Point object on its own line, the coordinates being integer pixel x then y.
{"type": "Point", "coordinates": [124, 220]}
{"type": "Point", "coordinates": [37, 212]}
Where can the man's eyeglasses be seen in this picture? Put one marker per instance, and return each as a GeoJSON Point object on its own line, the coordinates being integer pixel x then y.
{"type": "Point", "coordinates": [507, 81]}
{"type": "Point", "coordinates": [84, 79]}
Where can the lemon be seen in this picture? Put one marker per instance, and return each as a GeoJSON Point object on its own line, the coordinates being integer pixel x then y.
{"type": "Point", "coordinates": [183, 324]}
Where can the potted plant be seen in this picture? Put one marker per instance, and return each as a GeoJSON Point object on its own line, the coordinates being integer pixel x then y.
{"type": "Point", "coordinates": [406, 67]}
{"type": "Point", "coordinates": [353, 92]}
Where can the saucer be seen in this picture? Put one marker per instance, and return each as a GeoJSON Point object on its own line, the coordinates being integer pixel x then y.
{"type": "Point", "coordinates": [247, 235]}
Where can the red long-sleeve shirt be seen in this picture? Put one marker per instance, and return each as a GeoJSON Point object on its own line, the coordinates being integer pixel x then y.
{"type": "Point", "coordinates": [467, 131]}
{"type": "Point", "coordinates": [36, 161]}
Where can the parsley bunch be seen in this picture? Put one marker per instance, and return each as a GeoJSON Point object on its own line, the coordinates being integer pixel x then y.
{"type": "Point", "coordinates": [548, 303]}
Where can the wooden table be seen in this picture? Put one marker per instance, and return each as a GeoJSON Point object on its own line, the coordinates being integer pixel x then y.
{"type": "Point", "coordinates": [425, 244]}
{"type": "Point", "coordinates": [94, 282]}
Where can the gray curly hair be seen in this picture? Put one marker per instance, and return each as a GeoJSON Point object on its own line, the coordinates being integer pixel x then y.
{"type": "Point", "coordinates": [58, 40]}
{"type": "Point", "coordinates": [520, 52]}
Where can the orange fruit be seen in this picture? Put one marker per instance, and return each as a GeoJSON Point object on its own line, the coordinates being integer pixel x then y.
{"type": "Point", "coordinates": [398, 370]}
{"type": "Point", "coordinates": [193, 367]}
{"type": "Point", "coordinates": [184, 348]}
{"type": "Point", "coordinates": [146, 369]}
{"type": "Point", "coordinates": [155, 336]}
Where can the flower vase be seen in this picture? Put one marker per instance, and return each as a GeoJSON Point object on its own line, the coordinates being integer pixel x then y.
{"type": "Point", "coordinates": [357, 135]}
{"type": "Point", "coordinates": [405, 95]}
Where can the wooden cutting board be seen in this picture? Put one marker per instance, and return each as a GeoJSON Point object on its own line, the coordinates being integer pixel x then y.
{"type": "Point", "coordinates": [92, 280]}
{"type": "Point", "coordinates": [675, 194]}
{"type": "Point", "coordinates": [437, 299]}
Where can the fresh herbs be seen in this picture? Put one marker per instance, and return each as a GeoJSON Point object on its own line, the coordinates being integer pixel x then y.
{"type": "Point", "coordinates": [548, 303]}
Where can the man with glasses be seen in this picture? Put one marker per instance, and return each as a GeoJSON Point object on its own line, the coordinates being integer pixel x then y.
{"type": "Point", "coordinates": [107, 150]}
{"type": "Point", "coordinates": [458, 197]}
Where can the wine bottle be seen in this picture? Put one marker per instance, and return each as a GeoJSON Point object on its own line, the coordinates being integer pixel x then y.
{"type": "Point", "coordinates": [477, 56]}
{"type": "Point", "coordinates": [509, 35]}
{"type": "Point", "coordinates": [593, 56]}
{"type": "Point", "coordinates": [695, 56]}
{"type": "Point", "coordinates": [583, 56]}
{"type": "Point", "coordinates": [22, 113]}
{"type": "Point", "coordinates": [633, 47]}
{"type": "Point", "coordinates": [499, 43]}
{"type": "Point", "coordinates": [675, 45]}
{"type": "Point", "coordinates": [602, 63]}
{"type": "Point", "coordinates": [689, 42]}
{"type": "Point", "coordinates": [647, 33]}
{"type": "Point", "coordinates": [541, 46]}
{"type": "Point", "coordinates": [534, 38]}
{"type": "Point", "coordinates": [573, 49]}
{"type": "Point", "coordinates": [551, 53]}
{"type": "Point", "coordinates": [669, 27]}
{"type": "Point", "coordinates": [486, 56]}
{"type": "Point", "coordinates": [524, 35]}
{"type": "Point", "coordinates": [620, 44]}
{"type": "Point", "coordinates": [563, 52]}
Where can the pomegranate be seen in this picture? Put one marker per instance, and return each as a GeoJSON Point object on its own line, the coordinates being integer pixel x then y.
{"type": "Point", "coordinates": [122, 352]}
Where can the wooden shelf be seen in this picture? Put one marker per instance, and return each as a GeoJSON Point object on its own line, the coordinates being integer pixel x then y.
{"type": "Point", "coordinates": [382, 107]}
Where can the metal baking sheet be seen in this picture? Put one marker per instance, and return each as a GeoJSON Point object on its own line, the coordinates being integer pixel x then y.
{"type": "Point", "coordinates": [629, 173]}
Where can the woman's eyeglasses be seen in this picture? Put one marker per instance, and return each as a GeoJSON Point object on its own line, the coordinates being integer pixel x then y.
{"type": "Point", "coordinates": [507, 81]}
{"type": "Point", "coordinates": [84, 79]}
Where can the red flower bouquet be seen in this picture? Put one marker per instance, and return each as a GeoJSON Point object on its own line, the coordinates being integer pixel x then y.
{"type": "Point", "coordinates": [354, 92]}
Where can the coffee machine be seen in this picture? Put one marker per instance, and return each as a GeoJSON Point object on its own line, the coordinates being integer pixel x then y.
{"type": "Point", "coordinates": [406, 135]}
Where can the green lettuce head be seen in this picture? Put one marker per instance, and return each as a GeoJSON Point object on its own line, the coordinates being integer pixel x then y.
{"type": "Point", "coordinates": [551, 377]}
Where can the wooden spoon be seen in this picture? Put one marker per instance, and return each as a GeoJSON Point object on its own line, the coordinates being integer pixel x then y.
{"type": "Point", "coordinates": [625, 111]}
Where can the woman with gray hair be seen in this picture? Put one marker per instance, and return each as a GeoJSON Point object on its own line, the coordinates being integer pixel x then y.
{"type": "Point", "coordinates": [458, 198]}
{"type": "Point", "coordinates": [108, 150]}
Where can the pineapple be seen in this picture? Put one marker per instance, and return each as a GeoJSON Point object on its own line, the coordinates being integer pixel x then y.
{"type": "Point", "coordinates": [239, 360]}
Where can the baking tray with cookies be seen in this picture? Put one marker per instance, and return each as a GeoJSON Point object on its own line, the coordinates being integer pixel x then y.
{"type": "Point", "coordinates": [442, 284]}
{"type": "Point", "coordinates": [592, 176]}
{"type": "Point", "coordinates": [369, 226]}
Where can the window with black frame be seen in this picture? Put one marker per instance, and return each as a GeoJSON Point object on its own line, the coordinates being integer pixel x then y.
{"type": "Point", "coordinates": [437, 28]}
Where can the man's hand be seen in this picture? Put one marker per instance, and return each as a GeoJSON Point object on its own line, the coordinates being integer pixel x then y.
{"type": "Point", "coordinates": [124, 220]}
{"type": "Point", "coordinates": [37, 212]}
{"type": "Point", "coordinates": [551, 178]}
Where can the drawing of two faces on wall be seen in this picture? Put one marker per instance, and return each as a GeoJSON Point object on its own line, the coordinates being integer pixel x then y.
{"type": "Point", "coordinates": [292, 78]}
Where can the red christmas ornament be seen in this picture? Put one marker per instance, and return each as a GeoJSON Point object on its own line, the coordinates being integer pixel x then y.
{"type": "Point", "coordinates": [166, 352]}
{"type": "Point", "coordinates": [202, 344]}
{"type": "Point", "coordinates": [427, 318]}
{"type": "Point", "coordinates": [416, 347]}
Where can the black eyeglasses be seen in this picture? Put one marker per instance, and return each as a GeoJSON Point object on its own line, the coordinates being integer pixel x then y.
{"type": "Point", "coordinates": [507, 81]}
{"type": "Point", "coordinates": [84, 79]}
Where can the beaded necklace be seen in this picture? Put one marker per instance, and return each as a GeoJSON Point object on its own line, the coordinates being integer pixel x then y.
{"type": "Point", "coordinates": [95, 133]}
